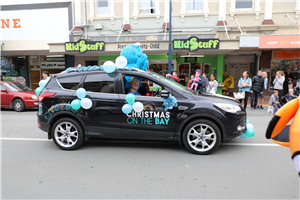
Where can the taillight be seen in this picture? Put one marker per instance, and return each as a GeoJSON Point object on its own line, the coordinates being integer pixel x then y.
{"type": "Point", "coordinates": [43, 95]}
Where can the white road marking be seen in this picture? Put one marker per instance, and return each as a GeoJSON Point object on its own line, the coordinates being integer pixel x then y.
{"type": "Point", "coordinates": [227, 144]}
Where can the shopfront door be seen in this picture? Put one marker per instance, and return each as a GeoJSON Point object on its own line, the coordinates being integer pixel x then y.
{"type": "Point", "coordinates": [190, 69]}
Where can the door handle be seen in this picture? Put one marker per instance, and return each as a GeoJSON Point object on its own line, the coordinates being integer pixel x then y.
{"type": "Point", "coordinates": [182, 107]}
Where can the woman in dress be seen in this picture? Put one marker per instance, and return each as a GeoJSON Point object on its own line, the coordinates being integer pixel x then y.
{"type": "Point", "coordinates": [245, 84]}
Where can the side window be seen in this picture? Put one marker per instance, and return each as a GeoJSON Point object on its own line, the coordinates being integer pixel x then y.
{"type": "Point", "coordinates": [70, 83]}
{"type": "Point", "coordinates": [138, 85]}
{"type": "Point", "coordinates": [2, 87]}
{"type": "Point", "coordinates": [102, 83]}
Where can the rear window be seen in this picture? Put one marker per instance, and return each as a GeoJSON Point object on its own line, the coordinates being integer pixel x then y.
{"type": "Point", "coordinates": [70, 83]}
{"type": "Point", "coordinates": [101, 83]}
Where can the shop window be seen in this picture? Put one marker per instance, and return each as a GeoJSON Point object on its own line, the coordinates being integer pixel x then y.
{"type": "Point", "coordinates": [144, 86]}
{"type": "Point", "coordinates": [103, 7]}
{"type": "Point", "coordinates": [101, 83]}
{"type": "Point", "coordinates": [243, 4]}
{"type": "Point", "coordinates": [70, 83]}
{"type": "Point", "coordinates": [194, 4]}
{"type": "Point", "coordinates": [147, 6]}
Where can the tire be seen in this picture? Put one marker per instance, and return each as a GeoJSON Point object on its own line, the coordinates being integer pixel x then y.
{"type": "Point", "coordinates": [67, 134]}
{"type": "Point", "coordinates": [201, 142]}
{"type": "Point", "coordinates": [18, 105]}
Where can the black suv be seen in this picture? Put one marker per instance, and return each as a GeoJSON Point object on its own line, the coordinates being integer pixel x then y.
{"type": "Point", "coordinates": [200, 121]}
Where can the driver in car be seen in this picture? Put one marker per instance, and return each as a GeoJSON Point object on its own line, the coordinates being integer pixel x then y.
{"type": "Point", "coordinates": [134, 84]}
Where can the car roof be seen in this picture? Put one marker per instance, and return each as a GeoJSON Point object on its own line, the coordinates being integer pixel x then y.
{"type": "Point", "coordinates": [64, 73]}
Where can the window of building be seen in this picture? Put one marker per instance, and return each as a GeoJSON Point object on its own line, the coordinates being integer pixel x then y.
{"type": "Point", "coordinates": [208, 36]}
{"type": "Point", "coordinates": [147, 6]}
{"type": "Point", "coordinates": [162, 37]}
{"type": "Point", "coordinates": [136, 38]}
{"type": "Point", "coordinates": [70, 83]}
{"type": "Point", "coordinates": [111, 39]}
{"type": "Point", "coordinates": [183, 37]}
{"type": "Point", "coordinates": [122, 39]}
{"type": "Point", "coordinates": [103, 7]}
{"type": "Point", "coordinates": [101, 83]}
{"type": "Point", "coordinates": [243, 4]}
{"type": "Point", "coordinates": [98, 39]}
{"type": "Point", "coordinates": [194, 4]}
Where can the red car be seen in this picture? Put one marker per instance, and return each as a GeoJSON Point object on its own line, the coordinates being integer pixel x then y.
{"type": "Point", "coordinates": [17, 96]}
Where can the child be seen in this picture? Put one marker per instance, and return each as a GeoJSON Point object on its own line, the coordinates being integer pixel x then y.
{"type": "Point", "coordinates": [190, 82]}
{"type": "Point", "coordinates": [290, 96]}
{"type": "Point", "coordinates": [194, 85]}
{"type": "Point", "coordinates": [274, 101]}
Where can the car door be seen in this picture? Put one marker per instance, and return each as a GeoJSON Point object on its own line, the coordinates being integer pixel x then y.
{"type": "Point", "coordinates": [154, 122]}
{"type": "Point", "coordinates": [5, 97]}
{"type": "Point", "coordinates": [104, 116]}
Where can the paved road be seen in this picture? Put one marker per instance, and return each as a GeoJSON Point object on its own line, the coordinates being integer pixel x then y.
{"type": "Point", "coordinates": [36, 169]}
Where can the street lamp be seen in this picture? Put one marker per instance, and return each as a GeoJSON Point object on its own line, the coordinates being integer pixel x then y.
{"type": "Point", "coordinates": [170, 39]}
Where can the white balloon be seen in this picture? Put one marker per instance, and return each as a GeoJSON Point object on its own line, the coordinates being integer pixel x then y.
{"type": "Point", "coordinates": [86, 103]}
{"type": "Point", "coordinates": [250, 126]}
{"type": "Point", "coordinates": [108, 63]}
{"type": "Point", "coordinates": [121, 62]}
{"type": "Point", "coordinates": [138, 106]}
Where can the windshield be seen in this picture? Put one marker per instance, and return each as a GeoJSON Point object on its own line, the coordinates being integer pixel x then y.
{"type": "Point", "coordinates": [171, 83]}
{"type": "Point", "coordinates": [15, 87]}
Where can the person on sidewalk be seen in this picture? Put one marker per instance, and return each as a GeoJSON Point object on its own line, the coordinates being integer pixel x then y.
{"type": "Point", "coordinates": [212, 86]}
{"type": "Point", "coordinates": [200, 86]}
{"type": "Point", "coordinates": [262, 96]}
{"type": "Point", "coordinates": [46, 76]}
{"type": "Point", "coordinates": [245, 84]}
{"type": "Point", "coordinates": [173, 76]}
{"type": "Point", "coordinates": [278, 83]}
{"type": "Point", "coordinates": [205, 82]}
{"type": "Point", "coordinates": [257, 88]}
{"type": "Point", "coordinates": [290, 96]}
{"type": "Point", "coordinates": [274, 101]}
{"type": "Point", "coordinates": [296, 90]}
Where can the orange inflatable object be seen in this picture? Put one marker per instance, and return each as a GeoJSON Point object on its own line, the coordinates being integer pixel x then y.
{"type": "Point", "coordinates": [288, 136]}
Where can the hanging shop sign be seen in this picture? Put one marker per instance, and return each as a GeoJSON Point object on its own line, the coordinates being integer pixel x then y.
{"type": "Point", "coordinates": [190, 59]}
{"type": "Point", "coordinates": [193, 44]}
{"type": "Point", "coordinates": [83, 46]}
{"type": "Point", "coordinates": [286, 54]}
{"type": "Point", "coordinates": [279, 41]}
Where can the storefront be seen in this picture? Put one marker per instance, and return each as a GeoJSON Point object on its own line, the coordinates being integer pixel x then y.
{"type": "Point", "coordinates": [25, 34]}
{"type": "Point", "coordinates": [285, 56]}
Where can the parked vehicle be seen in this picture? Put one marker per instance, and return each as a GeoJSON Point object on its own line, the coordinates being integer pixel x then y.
{"type": "Point", "coordinates": [200, 122]}
{"type": "Point", "coordinates": [17, 96]}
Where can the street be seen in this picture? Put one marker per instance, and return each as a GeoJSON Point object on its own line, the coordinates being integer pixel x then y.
{"type": "Point", "coordinates": [34, 168]}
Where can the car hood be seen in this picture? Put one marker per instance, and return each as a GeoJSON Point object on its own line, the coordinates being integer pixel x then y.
{"type": "Point", "coordinates": [24, 92]}
{"type": "Point", "coordinates": [216, 98]}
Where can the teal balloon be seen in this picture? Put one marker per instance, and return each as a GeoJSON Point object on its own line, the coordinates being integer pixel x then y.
{"type": "Point", "coordinates": [42, 83]}
{"type": "Point", "coordinates": [81, 93]}
{"type": "Point", "coordinates": [249, 132]}
{"type": "Point", "coordinates": [130, 98]}
{"type": "Point", "coordinates": [126, 109]}
{"type": "Point", "coordinates": [76, 104]}
{"type": "Point", "coordinates": [248, 121]}
{"type": "Point", "coordinates": [38, 91]}
{"type": "Point", "coordinates": [243, 136]}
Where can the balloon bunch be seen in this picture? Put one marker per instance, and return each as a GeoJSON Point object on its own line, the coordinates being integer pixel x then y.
{"type": "Point", "coordinates": [110, 67]}
{"type": "Point", "coordinates": [83, 102]}
{"type": "Point", "coordinates": [42, 84]}
{"type": "Point", "coordinates": [132, 105]}
{"type": "Point", "coordinates": [169, 102]}
{"type": "Point", "coordinates": [249, 132]}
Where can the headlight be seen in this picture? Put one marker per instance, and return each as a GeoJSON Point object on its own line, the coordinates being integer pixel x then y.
{"type": "Point", "coordinates": [228, 107]}
{"type": "Point", "coordinates": [34, 97]}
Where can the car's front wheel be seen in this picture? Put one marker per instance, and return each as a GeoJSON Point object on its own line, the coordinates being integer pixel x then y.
{"type": "Point", "coordinates": [67, 134]}
{"type": "Point", "coordinates": [201, 137]}
{"type": "Point", "coordinates": [18, 105]}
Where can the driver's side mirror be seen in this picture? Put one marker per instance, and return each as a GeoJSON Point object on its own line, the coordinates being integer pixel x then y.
{"type": "Point", "coordinates": [3, 90]}
{"type": "Point", "coordinates": [164, 94]}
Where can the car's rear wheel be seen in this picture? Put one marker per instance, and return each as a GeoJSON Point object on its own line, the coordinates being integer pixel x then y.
{"type": "Point", "coordinates": [67, 134]}
{"type": "Point", "coordinates": [201, 137]}
{"type": "Point", "coordinates": [18, 105]}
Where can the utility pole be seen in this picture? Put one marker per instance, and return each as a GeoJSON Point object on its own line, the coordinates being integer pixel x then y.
{"type": "Point", "coordinates": [86, 29]}
{"type": "Point", "coordinates": [170, 40]}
